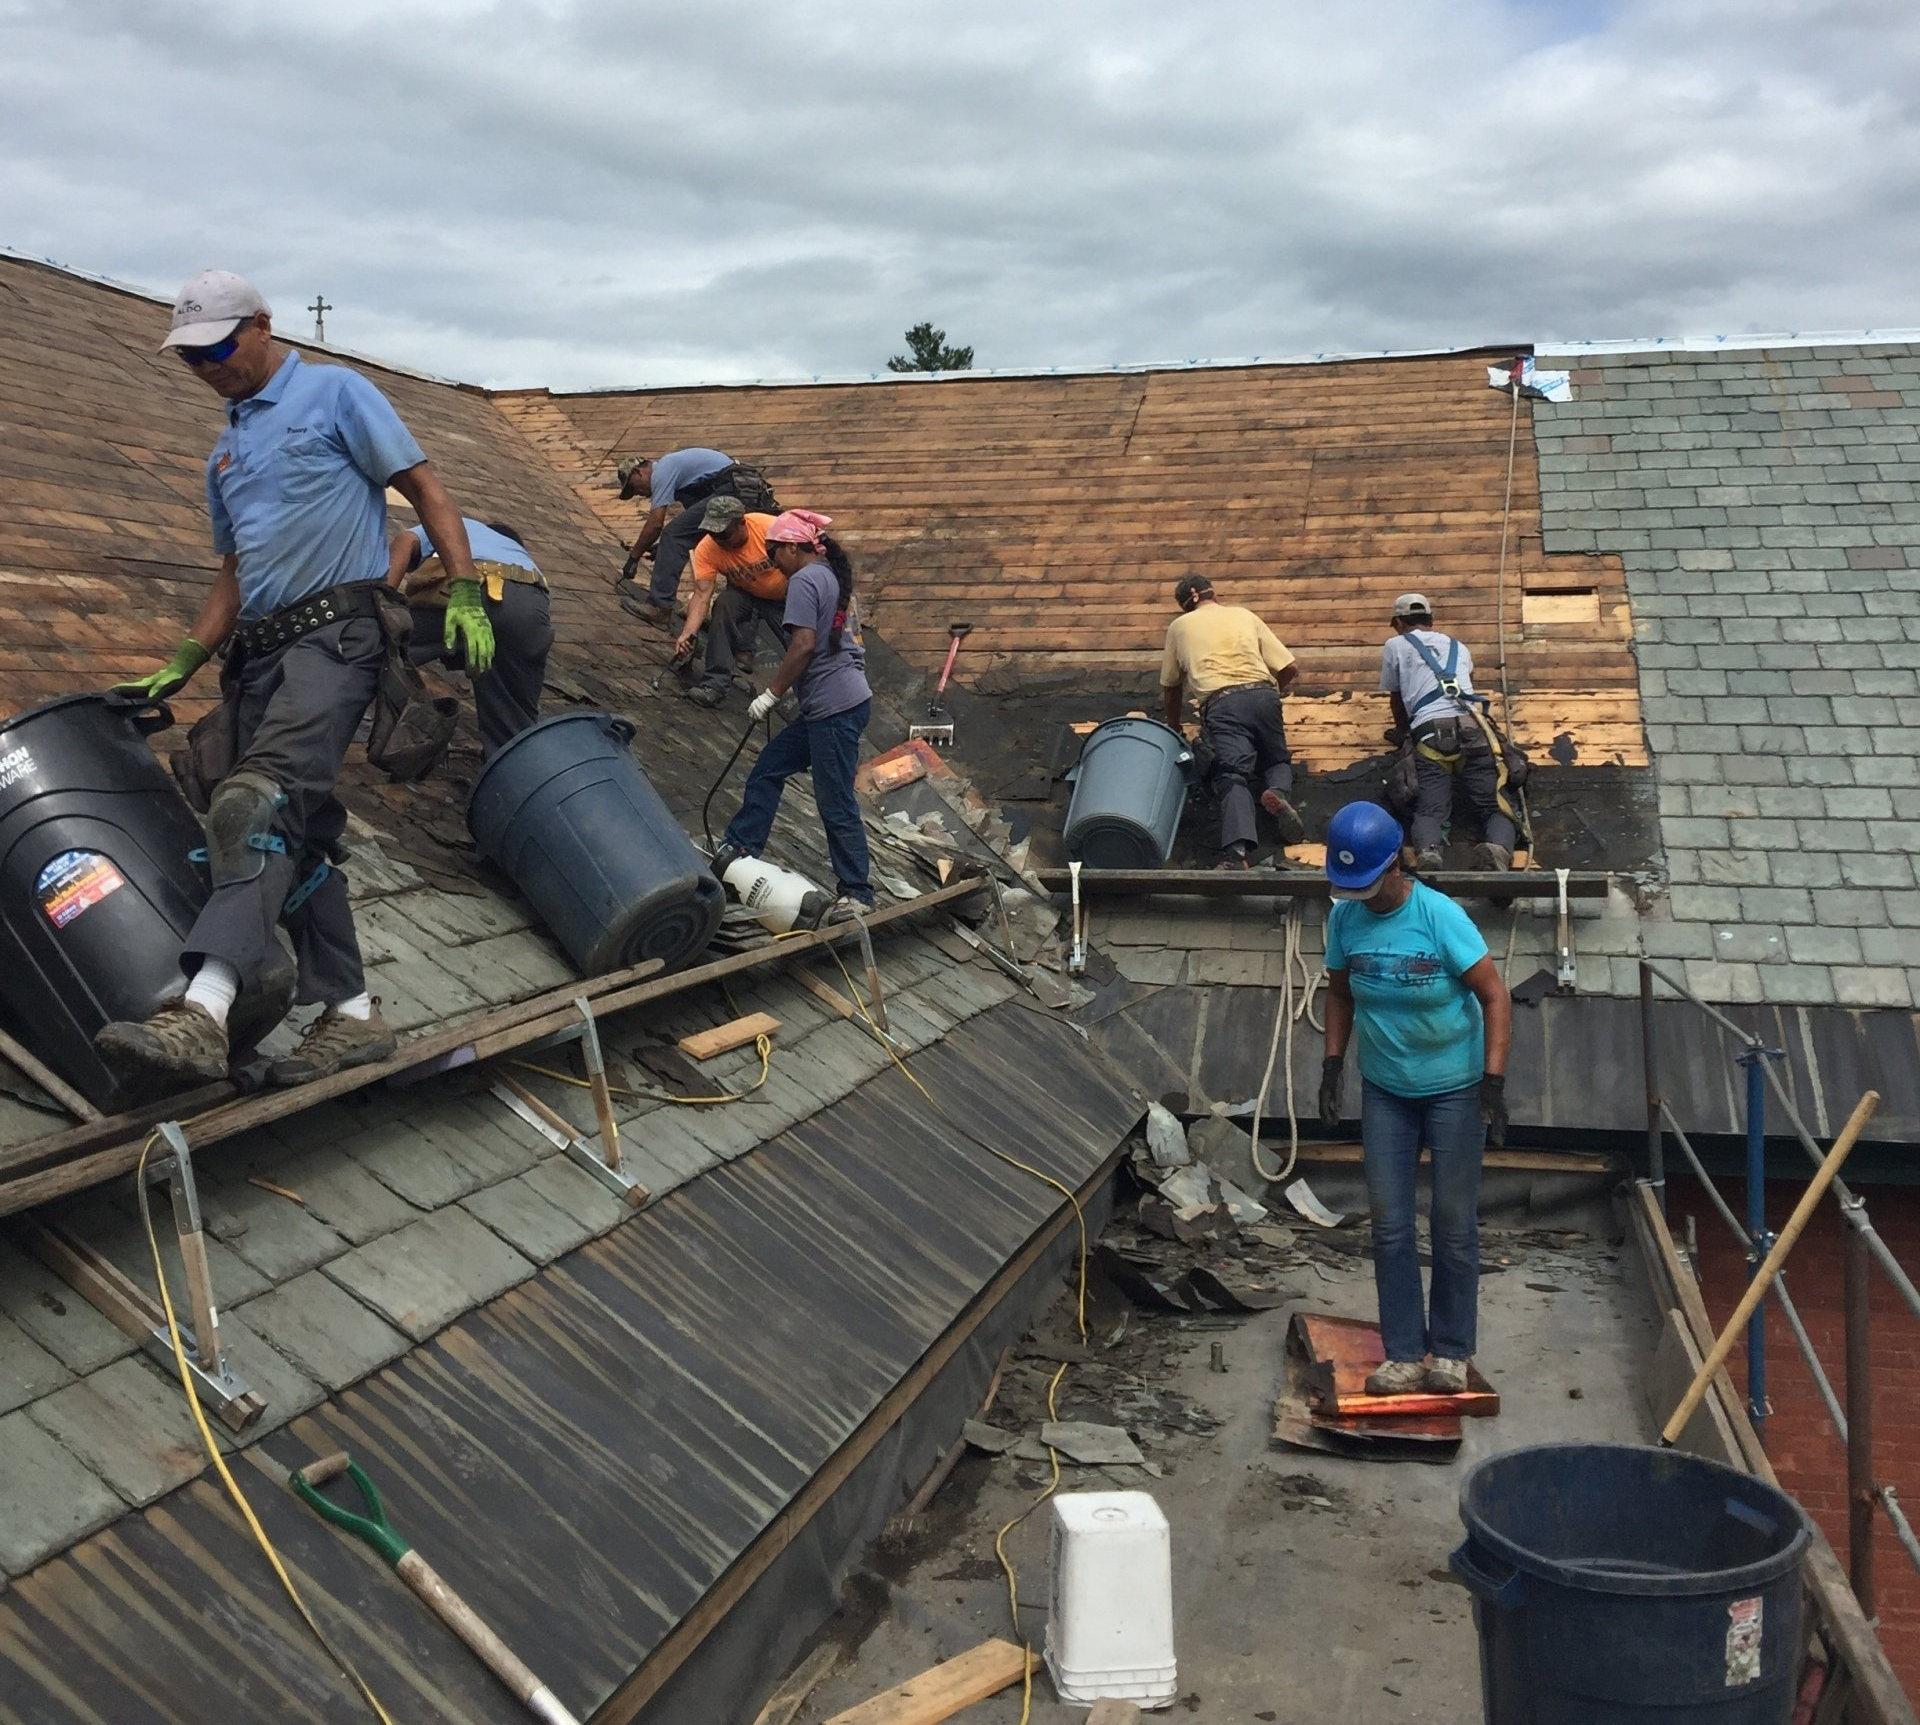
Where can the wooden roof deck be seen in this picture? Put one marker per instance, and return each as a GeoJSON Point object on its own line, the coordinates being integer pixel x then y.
{"type": "Point", "coordinates": [1055, 513]}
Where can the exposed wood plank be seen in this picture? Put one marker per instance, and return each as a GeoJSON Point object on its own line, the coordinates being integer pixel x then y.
{"type": "Point", "coordinates": [946, 1689]}
{"type": "Point", "coordinates": [724, 1038]}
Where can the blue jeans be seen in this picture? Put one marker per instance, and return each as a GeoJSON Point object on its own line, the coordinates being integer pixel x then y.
{"type": "Point", "coordinates": [1392, 1130]}
{"type": "Point", "coordinates": [831, 748]}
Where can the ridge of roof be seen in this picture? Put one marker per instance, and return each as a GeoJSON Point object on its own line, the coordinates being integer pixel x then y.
{"type": "Point", "coordinates": [1733, 343]}
{"type": "Point", "coordinates": [306, 344]}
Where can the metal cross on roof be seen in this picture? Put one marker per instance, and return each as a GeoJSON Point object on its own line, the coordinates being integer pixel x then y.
{"type": "Point", "coordinates": [320, 308]}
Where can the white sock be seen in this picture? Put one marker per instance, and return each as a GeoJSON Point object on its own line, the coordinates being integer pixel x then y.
{"type": "Point", "coordinates": [360, 1007]}
{"type": "Point", "coordinates": [214, 985]}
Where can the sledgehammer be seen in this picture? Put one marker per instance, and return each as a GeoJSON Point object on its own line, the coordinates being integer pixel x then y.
{"type": "Point", "coordinates": [417, 1573]}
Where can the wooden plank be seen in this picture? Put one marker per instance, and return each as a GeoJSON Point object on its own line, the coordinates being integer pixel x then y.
{"type": "Point", "coordinates": [946, 1689]}
{"type": "Point", "coordinates": [1289, 883]}
{"type": "Point", "coordinates": [791, 1696]}
{"type": "Point", "coordinates": [544, 1015]}
{"type": "Point", "coordinates": [724, 1038]}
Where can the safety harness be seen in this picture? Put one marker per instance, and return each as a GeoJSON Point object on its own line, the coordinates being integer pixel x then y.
{"type": "Point", "coordinates": [1447, 687]}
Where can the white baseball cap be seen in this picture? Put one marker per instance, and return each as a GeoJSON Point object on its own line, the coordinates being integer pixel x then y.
{"type": "Point", "coordinates": [210, 307]}
{"type": "Point", "coordinates": [1412, 605]}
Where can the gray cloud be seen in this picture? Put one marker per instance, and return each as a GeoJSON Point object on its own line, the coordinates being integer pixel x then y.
{"type": "Point", "coordinates": [597, 193]}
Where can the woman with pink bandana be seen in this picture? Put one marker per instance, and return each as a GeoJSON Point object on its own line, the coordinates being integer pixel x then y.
{"type": "Point", "coordinates": [825, 665]}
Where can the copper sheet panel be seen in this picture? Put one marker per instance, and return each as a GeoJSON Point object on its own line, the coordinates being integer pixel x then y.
{"type": "Point", "coordinates": [1344, 1350]}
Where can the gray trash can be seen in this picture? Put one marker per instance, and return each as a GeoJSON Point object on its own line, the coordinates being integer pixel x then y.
{"type": "Point", "coordinates": [1129, 787]}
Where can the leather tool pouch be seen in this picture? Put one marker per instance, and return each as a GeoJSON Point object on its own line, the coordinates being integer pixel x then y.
{"type": "Point", "coordinates": [412, 726]}
{"type": "Point", "coordinates": [1442, 736]}
{"type": "Point", "coordinates": [1403, 783]}
{"type": "Point", "coordinates": [211, 748]}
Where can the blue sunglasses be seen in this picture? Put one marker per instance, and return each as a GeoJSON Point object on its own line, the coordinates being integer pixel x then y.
{"type": "Point", "coordinates": [217, 354]}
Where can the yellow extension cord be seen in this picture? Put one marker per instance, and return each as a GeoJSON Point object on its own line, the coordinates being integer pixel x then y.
{"type": "Point", "coordinates": [219, 1462]}
{"type": "Point", "coordinates": [763, 1046]}
{"type": "Point", "coordinates": [1053, 1388]}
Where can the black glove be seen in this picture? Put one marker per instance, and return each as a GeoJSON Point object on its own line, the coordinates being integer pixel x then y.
{"type": "Point", "coordinates": [1493, 1107]}
{"type": "Point", "coordinates": [1332, 1069]}
{"type": "Point", "coordinates": [630, 568]}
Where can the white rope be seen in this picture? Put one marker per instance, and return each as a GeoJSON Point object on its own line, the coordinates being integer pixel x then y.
{"type": "Point", "coordinates": [1310, 979]}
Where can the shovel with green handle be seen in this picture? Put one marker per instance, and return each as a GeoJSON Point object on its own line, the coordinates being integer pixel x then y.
{"type": "Point", "coordinates": [374, 1528]}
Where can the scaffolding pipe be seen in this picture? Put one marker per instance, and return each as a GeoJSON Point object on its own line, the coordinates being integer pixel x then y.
{"type": "Point", "coordinates": [1650, 1070]}
{"type": "Point", "coordinates": [1860, 1490]}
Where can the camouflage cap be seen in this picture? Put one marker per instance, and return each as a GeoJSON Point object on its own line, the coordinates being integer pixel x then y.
{"type": "Point", "coordinates": [626, 470]}
{"type": "Point", "coordinates": [722, 515]}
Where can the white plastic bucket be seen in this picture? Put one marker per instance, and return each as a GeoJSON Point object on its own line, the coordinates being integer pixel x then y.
{"type": "Point", "coordinates": [1110, 1627]}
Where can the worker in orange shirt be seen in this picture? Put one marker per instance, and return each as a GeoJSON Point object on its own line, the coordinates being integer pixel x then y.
{"type": "Point", "coordinates": [736, 588]}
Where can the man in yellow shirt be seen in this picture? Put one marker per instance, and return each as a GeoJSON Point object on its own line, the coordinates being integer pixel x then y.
{"type": "Point", "coordinates": [1235, 669]}
{"type": "Point", "coordinates": [730, 557]}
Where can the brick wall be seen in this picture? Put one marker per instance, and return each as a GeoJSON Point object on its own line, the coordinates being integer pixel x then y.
{"type": "Point", "coordinates": [1801, 1440]}
{"type": "Point", "coordinates": [1766, 506]}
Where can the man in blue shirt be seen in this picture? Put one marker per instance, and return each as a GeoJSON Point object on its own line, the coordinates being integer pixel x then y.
{"type": "Point", "coordinates": [506, 691]}
{"type": "Point", "coordinates": [296, 490]}
{"type": "Point", "coordinates": [685, 478]}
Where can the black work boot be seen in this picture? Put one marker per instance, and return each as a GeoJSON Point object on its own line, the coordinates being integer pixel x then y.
{"type": "Point", "coordinates": [182, 1042]}
{"type": "Point", "coordinates": [1293, 830]}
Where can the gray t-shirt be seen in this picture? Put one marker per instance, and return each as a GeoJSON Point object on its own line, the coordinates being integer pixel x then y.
{"type": "Point", "coordinates": [835, 679]}
{"type": "Point", "coordinates": [1402, 669]}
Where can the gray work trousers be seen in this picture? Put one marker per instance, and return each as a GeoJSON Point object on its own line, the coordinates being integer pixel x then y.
{"type": "Point", "coordinates": [1475, 781]}
{"type": "Point", "coordinates": [506, 697]}
{"type": "Point", "coordinates": [1248, 738]}
{"type": "Point", "coordinates": [733, 631]}
{"type": "Point", "coordinates": [298, 709]}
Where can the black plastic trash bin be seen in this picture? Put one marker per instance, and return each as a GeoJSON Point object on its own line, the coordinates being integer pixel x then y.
{"type": "Point", "coordinates": [96, 887]}
{"type": "Point", "coordinates": [566, 811]}
{"type": "Point", "coordinates": [1615, 1585]}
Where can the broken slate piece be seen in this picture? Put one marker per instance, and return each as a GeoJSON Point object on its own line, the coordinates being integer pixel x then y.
{"type": "Point", "coordinates": [981, 1436]}
{"type": "Point", "coordinates": [1141, 1288]}
{"type": "Point", "coordinates": [1224, 1297]}
{"type": "Point", "coordinates": [1092, 1445]}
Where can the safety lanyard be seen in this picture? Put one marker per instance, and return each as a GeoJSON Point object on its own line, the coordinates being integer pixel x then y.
{"type": "Point", "coordinates": [1448, 683]}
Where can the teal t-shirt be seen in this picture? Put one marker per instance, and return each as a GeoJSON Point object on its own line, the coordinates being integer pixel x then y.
{"type": "Point", "coordinates": [1416, 1024]}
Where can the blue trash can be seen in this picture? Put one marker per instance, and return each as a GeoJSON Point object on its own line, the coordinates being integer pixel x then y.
{"type": "Point", "coordinates": [1615, 1585]}
{"type": "Point", "coordinates": [566, 811]}
{"type": "Point", "coordinates": [1129, 787]}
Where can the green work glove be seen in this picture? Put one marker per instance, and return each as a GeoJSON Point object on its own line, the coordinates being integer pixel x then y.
{"type": "Point", "coordinates": [171, 678]}
{"type": "Point", "coordinates": [467, 626]}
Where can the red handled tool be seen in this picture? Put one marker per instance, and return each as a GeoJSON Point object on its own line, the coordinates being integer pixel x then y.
{"type": "Point", "coordinates": [938, 728]}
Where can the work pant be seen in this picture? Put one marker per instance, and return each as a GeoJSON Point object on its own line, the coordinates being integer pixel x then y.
{"type": "Point", "coordinates": [1392, 1131]}
{"type": "Point", "coordinates": [1475, 779]}
{"type": "Point", "coordinates": [733, 630]}
{"type": "Point", "coordinates": [1248, 738]}
{"type": "Point", "coordinates": [830, 747]}
{"type": "Point", "coordinates": [676, 544]}
{"type": "Point", "coordinates": [506, 697]}
{"type": "Point", "coordinates": [298, 708]}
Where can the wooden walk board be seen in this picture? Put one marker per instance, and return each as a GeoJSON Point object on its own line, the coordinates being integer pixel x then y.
{"type": "Point", "coordinates": [946, 1689]}
{"type": "Point", "coordinates": [724, 1038]}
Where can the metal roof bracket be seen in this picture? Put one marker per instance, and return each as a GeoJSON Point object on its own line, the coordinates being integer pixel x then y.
{"type": "Point", "coordinates": [136, 1313]}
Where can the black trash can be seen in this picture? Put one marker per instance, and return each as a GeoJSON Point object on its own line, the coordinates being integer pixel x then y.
{"type": "Point", "coordinates": [97, 889]}
{"type": "Point", "coordinates": [1615, 1585]}
{"type": "Point", "coordinates": [566, 811]}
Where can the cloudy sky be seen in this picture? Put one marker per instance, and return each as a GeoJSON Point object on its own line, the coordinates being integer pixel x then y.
{"type": "Point", "coordinates": [620, 192]}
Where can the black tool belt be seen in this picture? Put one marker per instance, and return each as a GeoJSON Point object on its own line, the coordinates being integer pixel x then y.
{"type": "Point", "coordinates": [303, 616]}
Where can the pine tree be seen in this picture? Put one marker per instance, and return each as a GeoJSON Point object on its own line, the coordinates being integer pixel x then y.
{"type": "Point", "coordinates": [930, 352]}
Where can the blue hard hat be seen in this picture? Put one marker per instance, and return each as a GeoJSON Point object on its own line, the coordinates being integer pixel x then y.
{"type": "Point", "coordinates": [1363, 841]}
